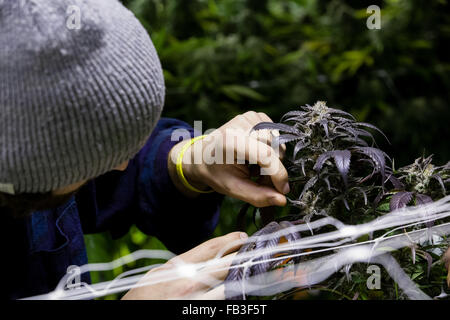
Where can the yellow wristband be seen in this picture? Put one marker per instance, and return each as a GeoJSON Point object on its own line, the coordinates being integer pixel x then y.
{"type": "Point", "coordinates": [180, 166]}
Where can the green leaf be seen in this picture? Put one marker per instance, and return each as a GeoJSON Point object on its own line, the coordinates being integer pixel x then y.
{"type": "Point", "coordinates": [384, 207]}
{"type": "Point", "coordinates": [416, 275]}
{"type": "Point", "coordinates": [236, 92]}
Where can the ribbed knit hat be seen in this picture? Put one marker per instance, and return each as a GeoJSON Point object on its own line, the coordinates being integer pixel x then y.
{"type": "Point", "coordinates": [81, 89]}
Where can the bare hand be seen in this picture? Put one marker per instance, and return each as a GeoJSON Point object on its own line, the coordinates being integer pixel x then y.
{"type": "Point", "coordinates": [233, 178]}
{"type": "Point", "coordinates": [191, 287]}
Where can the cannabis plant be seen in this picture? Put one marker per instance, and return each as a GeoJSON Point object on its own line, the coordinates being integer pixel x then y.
{"type": "Point", "coordinates": [420, 183]}
{"type": "Point", "coordinates": [336, 169]}
{"type": "Point", "coordinates": [332, 160]}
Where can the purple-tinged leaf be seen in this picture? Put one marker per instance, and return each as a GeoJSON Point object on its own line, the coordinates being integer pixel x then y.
{"type": "Point", "coordinates": [275, 126]}
{"type": "Point", "coordinates": [299, 146]}
{"type": "Point", "coordinates": [429, 259]}
{"type": "Point", "coordinates": [327, 181]}
{"type": "Point", "coordinates": [341, 119]}
{"type": "Point", "coordinates": [332, 110]}
{"type": "Point", "coordinates": [347, 130]}
{"type": "Point", "coordinates": [311, 182]}
{"type": "Point", "coordinates": [357, 141]}
{"type": "Point", "coordinates": [296, 119]}
{"type": "Point", "coordinates": [378, 157]}
{"type": "Point", "coordinates": [324, 124]}
{"type": "Point", "coordinates": [346, 203]}
{"type": "Point", "coordinates": [364, 133]}
{"type": "Point", "coordinates": [295, 113]}
{"type": "Point", "coordinates": [237, 273]}
{"type": "Point", "coordinates": [423, 199]}
{"type": "Point", "coordinates": [439, 179]}
{"type": "Point", "coordinates": [396, 182]}
{"type": "Point", "coordinates": [363, 193]}
{"type": "Point", "coordinates": [290, 237]}
{"type": "Point", "coordinates": [262, 267]}
{"type": "Point", "coordinates": [283, 139]}
{"type": "Point", "coordinates": [295, 202]}
{"type": "Point", "coordinates": [368, 125]}
{"type": "Point", "coordinates": [342, 161]}
{"type": "Point", "coordinates": [321, 160]}
{"type": "Point", "coordinates": [378, 198]}
{"type": "Point", "coordinates": [302, 163]}
{"type": "Point", "coordinates": [400, 200]}
{"type": "Point", "coordinates": [446, 166]}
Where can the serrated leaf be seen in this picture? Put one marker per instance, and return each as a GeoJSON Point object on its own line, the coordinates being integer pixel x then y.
{"type": "Point", "coordinates": [294, 113]}
{"type": "Point", "coordinates": [384, 207]}
{"type": "Point", "coordinates": [275, 126]}
{"type": "Point", "coordinates": [377, 156]}
{"type": "Point", "coordinates": [439, 179]}
{"type": "Point", "coordinates": [396, 182]}
{"type": "Point", "coordinates": [321, 160]}
{"type": "Point", "coordinates": [311, 182]}
{"type": "Point", "coordinates": [332, 110]}
{"type": "Point", "coordinates": [423, 199]}
{"type": "Point", "coordinates": [342, 161]}
{"type": "Point", "coordinates": [283, 139]}
{"type": "Point", "coordinates": [368, 125]}
{"type": "Point", "coordinates": [400, 200]}
{"type": "Point", "coordinates": [416, 275]}
{"type": "Point", "coordinates": [299, 146]}
{"type": "Point", "coordinates": [324, 124]}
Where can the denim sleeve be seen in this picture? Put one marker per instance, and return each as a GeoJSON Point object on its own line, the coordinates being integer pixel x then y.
{"type": "Point", "coordinates": [145, 195]}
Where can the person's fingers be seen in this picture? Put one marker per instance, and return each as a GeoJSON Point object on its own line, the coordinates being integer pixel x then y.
{"type": "Point", "coordinates": [252, 117]}
{"type": "Point", "coordinates": [264, 117]}
{"type": "Point", "coordinates": [209, 249]}
{"type": "Point", "coordinates": [217, 293]}
{"type": "Point", "coordinates": [264, 136]}
{"type": "Point", "coordinates": [446, 259]}
{"type": "Point", "coordinates": [218, 269]}
{"type": "Point", "coordinates": [274, 133]}
{"type": "Point", "coordinates": [241, 123]}
{"type": "Point", "coordinates": [256, 194]}
{"type": "Point", "coordinates": [267, 136]}
{"type": "Point", "coordinates": [260, 153]}
{"type": "Point", "coordinates": [448, 278]}
{"type": "Point", "coordinates": [210, 276]}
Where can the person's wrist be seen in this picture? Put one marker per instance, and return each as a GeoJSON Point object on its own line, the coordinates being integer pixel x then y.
{"type": "Point", "coordinates": [194, 173]}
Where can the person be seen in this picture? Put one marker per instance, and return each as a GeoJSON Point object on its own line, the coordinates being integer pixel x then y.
{"type": "Point", "coordinates": [83, 148]}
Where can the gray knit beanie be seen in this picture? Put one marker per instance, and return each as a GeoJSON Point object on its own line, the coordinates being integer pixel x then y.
{"type": "Point", "coordinates": [81, 89]}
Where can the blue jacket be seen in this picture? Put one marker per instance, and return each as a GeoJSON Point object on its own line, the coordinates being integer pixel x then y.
{"type": "Point", "coordinates": [38, 250]}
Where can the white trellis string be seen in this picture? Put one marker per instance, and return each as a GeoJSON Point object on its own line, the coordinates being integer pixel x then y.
{"type": "Point", "coordinates": [339, 240]}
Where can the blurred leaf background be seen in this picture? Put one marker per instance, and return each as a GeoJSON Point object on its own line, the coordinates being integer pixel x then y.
{"type": "Point", "coordinates": [224, 57]}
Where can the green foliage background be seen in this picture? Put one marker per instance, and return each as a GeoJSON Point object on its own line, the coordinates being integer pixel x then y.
{"type": "Point", "coordinates": [224, 57]}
